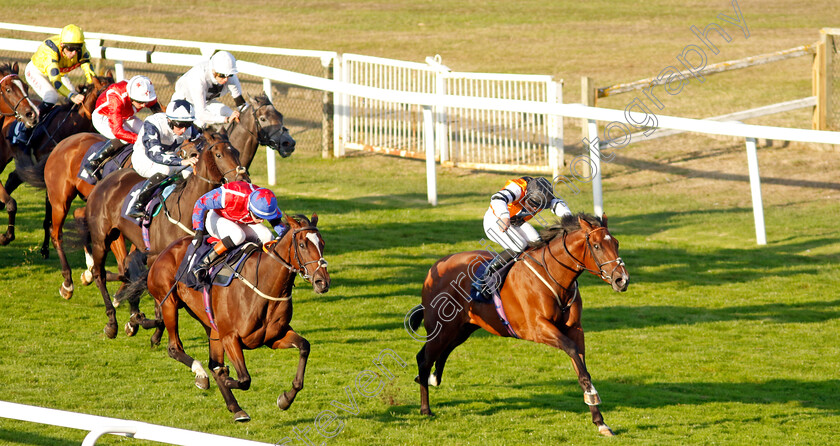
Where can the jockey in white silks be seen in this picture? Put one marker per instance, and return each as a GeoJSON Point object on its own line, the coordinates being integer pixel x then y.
{"type": "Point", "coordinates": [203, 85]}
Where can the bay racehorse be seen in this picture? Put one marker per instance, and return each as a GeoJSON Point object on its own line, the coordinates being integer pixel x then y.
{"type": "Point", "coordinates": [218, 162]}
{"type": "Point", "coordinates": [15, 105]}
{"type": "Point", "coordinates": [68, 119]}
{"type": "Point", "coordinates": [245, 315]}
{"type": "Point", "coordinates": [540, 298]}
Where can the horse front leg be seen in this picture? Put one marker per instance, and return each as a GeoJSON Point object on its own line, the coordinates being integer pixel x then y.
{"type": "Point", "coordinates": [10, 204]}
{"type": "Point", "coordinates": [221, 373]}
{"type": "Point", "coordinates": [292, 339]}
{"type": "Point", "coordinates": [573, 345]}
{"type": "Point", "coordinates": [45, 245]}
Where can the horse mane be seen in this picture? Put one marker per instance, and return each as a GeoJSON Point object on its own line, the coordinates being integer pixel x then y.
{"type": "Point", "coordinates": [567, 224]}
{"type": "Point", "coordinates": [300, 219]}
{"type": "Point", "coordinates": [6, 68]}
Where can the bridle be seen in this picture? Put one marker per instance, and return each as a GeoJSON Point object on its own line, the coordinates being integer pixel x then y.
{"type": "Point", "coordinates": [14, 108]}
{"type": "Point", "coordinates": [301, 270]}
{"type": "Point", "coordinates": [601, 272]}
{"type": "Point", "coordinates": [263, 138]}
{"type": "Point", "coordinates": [200, 147]}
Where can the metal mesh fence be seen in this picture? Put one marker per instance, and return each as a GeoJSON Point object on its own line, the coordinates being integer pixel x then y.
{"type": "Point", "coordinates": [301, 107]}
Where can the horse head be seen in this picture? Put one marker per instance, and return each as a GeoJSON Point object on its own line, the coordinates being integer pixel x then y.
{"type": "Point", "coordinates": [218, 160]}
{"type": "Point", "coordinates": [600, 256]}
{"type": "Point", "coordinates": [14, 99]}
{"type": "Point", "coordinates": [92, 91]}
{"type": "Point", "coordinates": [306, 251]}
{"type": "Point", "coordinates": [268, 126]}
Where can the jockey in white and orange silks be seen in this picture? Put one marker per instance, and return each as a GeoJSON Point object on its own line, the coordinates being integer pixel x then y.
{"type": "Point", "coordinates": [234, 213]}
{"type": "Point", "coordinates": [506, 220]}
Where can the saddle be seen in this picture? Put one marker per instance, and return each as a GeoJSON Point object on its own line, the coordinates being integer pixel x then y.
{"type": "Point", "coordinates": [221, 274]}
{"type": "Point", "coordinates": [111, 164]}
{"type": "Point", "coordinates": [489, 293]}
{"type": "Point", "coordinates": [21, 136]}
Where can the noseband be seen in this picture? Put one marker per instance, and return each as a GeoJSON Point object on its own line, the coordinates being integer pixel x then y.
{"type": "Point", "coordinates": [301, 270]}
{"type": "Point", "coordinates": [601, 272]}
{"type": "Point", "coordinates": [14, 108]}
{"type": "Point", "coordinates": [263, 138]}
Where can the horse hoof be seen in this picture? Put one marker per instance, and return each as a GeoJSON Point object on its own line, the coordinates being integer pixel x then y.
{"type": "Point", "coordinates": [130, 329]}
{"type": "Point", "coordinates": [605, 431]}
{"type": "Point", "coordinates": [433, 381]}
{"type": "Point", "coordinates": [241, 416]}
{"type": "Point", "coordinates": [86, 277]}
{"type": "Point", "coordinates": [283, 402]}
{"type": "Point", "coordinates": [45, 253]}
{"type": "Point", "coordinates": [66, 292]}
{"type": "Point", "coordinates": [427, 412]}
{"type": "Point", "coordinates": [6, 239]}
{"type": "Point", "coordinates": [203, 383]}
{"type": "Point", "coordinates": [110, 331]}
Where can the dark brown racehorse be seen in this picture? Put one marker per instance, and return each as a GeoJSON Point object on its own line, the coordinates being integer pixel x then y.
{"type": "Point", "coordinates": [68, 119]}
{"type": "Point", "coordinates": [260, 124]}
{"type": "Point", "coordinates": [15, 105]}
{"type": "Point", "coordinates": [218, 163]}
{"type": "Point", "coordinates": [244, 317]}
{"type": "Point", "coordinates": [540, 297]}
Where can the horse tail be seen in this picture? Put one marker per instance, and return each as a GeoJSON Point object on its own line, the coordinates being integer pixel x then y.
{"type": "Point", "coordinates": [135, 289]}
{"type": "Point", "coordinates": [30, 173]}
{"type": "Point", "coordinates": [416, 317]}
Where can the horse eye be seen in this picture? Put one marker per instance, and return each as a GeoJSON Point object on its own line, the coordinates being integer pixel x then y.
{"type": "Point", "coordinates": [597, 246]}
{"type": "Point", "coordinates": [262, 119]}
{"type": "Point", "coordinates": [218, 155]}
{"type": "Point", "coordinates": [302, 245]}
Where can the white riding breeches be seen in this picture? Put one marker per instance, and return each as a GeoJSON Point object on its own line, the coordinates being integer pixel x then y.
{"type": "Point", "coordinates": [516, 238]}
{"type": "Point", "coordinates": [102, 125]}
{"type": "Point", "coordinates": [43, 86]}
{"type": "Point", "coordinates": [220, 227]}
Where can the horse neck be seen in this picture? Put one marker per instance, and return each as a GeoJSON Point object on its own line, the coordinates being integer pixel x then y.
{"type": "Point", "coordinates": [280, 278]}
{"type": "Point", "coordinates": [243, 137]}
{"type": "Point", "coordinates": [563, 263]}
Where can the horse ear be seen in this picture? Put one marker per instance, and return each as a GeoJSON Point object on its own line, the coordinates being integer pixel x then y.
{"type": "Point", "coordinates": [314, 220]}
{"type": "Point", "coordinates": [223, 131]}
{"type": "Point", "coordinates": [604, 219]}
{"type": "Point", "coordinates": [15, 67]}
{"type": "Point", "coordinates": [584, 224]}
{"type": "Point", "coordinates": [110, 74]}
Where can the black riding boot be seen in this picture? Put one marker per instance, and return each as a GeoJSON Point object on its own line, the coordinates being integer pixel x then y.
{"type": "Point", "coordinates": [212, 257]}
{"type": "Point", "coordinates": [498, 263]}
{"type": "Point", "coordinates": [138, 209]}
{"type": "Point", "coordinates": [109, 149]}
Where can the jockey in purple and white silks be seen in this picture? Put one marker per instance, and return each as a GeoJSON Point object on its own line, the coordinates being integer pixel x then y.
{"type": "Point", "coordinates": [233, 213]}
{"type": "Point", "coordinates": [203, 84]}
{"type": "Point", "coordinates": [155, 153]}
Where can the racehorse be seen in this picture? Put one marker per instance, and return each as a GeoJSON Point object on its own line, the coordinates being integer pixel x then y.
{"type": "Point", "coordinates": [540, 298]}
{"type": "Point", "coordinates": [15, 104]}
{"type": "Point", "coordinates": [68, 119]}
{"type": "Point", "coordinates": [244, 316]}
{"type": "Point", "coordinates": [260, 124]}
{"type": "Point", "coordinates": [218, 162]}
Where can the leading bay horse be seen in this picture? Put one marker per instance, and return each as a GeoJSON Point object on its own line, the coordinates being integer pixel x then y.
{"type": "Point", "coordinates": [15, 105]}
{"type": "Point", "coordinates": [218, 162]}
{"type": "Point", "coordinates": [68, 119]}
{"type": "Point", "coordinates": [260, 124]}
{"type": "Point", "coordinates": [244, 316]}
{"type": "Point", "coordinates": [540, 298]}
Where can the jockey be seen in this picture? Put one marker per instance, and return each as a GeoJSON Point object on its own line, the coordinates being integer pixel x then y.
{"type": "Point", "coordinates": [45, 72]}
{"type": "Point", "coordinates": [205, 83]}
{"type": "Point", "coordinates": [114, 116]}
{"type": "Point", "coordinates": [234, 213]}
{"type": "Point", "coordinates": [506, 220]}
{"type": "Point", "coordinates": [155, 156]}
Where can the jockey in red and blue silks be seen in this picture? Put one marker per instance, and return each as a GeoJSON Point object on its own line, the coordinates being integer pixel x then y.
{"type": "Point", "coordinates": [234, 213]}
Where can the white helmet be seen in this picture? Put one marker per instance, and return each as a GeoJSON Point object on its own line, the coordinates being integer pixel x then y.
{"type": "Point", "coordinates": [223, 63]}
{"type": "Point", "coordinates": [140, 89]}
{"type": "Point", "coordinates": [180, 110]}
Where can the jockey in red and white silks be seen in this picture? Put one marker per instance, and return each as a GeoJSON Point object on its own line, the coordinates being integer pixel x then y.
{"type": "Point", "coordinates": [203, 84]}
{"type": "Point", "coordinates": [233, 213]}
{"type": "Point", "coordinates": [116, 107]}
{"type": "Point", "coordinates": [506, 220]}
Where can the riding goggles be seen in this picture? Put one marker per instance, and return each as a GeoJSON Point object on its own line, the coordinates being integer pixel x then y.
{"type": "Point", "coordinates": [77, 47]}
{"type": "Point", "coordinates": [222, 76]}
{"type": "Point", "coordinates": [180, 124]}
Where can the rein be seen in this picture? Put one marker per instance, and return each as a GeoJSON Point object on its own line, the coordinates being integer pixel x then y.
{"type": "Point", "coordinates": [601, 273]}
{"type": "Point", "coordinates": [301, 270]}
{"type": "Point", "coordinates": [269, 140]}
